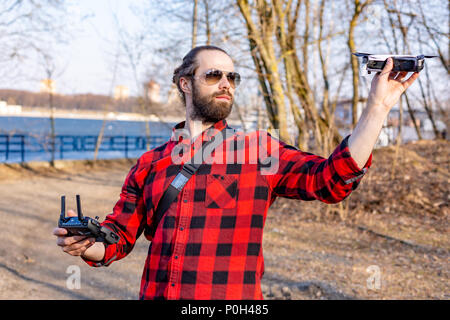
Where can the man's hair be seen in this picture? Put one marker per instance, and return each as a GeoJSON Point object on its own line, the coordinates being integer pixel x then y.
{"type": "Point", "coordinates": [189, 65]}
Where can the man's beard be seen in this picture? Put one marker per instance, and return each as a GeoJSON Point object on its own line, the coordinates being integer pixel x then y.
{"type": "Point", "coordinates": [208, 109]}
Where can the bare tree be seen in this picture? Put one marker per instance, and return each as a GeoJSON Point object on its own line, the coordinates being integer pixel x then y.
{"type": "Point", "coordinates": [434, 34]}
{"type": "Point", "coordinates": [52, 72]}
{"type": "Point", "coordinates": [106, 107]}
{"type": "Point", "coordinates": [27, 25]}
{"type": "Point", "coordinates": [133, 48]}
{"type": "Point", "coordinates": [194, 23]}
{"type": "Point", "coordinates": [358, 9]}
{"type": "Point", "coordinates": [282, 38]}
{"type": "Point", "coordinates": [207, 22]}
{"type": "Point", "coordinates": [272, 34]}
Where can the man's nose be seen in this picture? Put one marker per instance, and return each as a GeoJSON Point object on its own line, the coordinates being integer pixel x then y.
{"type": "Point", "coordinates": [224, 83]}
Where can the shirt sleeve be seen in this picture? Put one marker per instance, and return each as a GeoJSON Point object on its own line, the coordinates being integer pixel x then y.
{"type": "Point", "coordinates": [305, 176]}
{"type": "Point", "coordinates": [128, 219]}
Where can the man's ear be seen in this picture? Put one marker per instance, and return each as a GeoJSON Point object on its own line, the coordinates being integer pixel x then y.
{"type": "Point", "coordinates": [185, 85]}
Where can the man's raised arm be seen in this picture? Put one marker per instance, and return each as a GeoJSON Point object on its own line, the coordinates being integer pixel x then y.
{"type": "Point", "coordinates": [385, 91]}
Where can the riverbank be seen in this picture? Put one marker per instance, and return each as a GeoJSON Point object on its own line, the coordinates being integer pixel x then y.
{"type": "Point", "coordinates": [37, 112]}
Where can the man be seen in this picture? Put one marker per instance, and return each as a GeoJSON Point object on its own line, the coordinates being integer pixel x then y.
{"type": "Point", "coordinates": [208, 243]}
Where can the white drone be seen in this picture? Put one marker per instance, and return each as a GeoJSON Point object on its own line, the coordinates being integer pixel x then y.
{"type": "Point", "coordinates": [407, 63]}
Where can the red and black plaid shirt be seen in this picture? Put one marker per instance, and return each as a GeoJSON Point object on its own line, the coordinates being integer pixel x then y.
{"type": "Point", "coordinates": [208, 244]}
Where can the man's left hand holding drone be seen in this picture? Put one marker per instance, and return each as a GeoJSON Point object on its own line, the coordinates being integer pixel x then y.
{"type": "Point", "coordinates": [385, 91]}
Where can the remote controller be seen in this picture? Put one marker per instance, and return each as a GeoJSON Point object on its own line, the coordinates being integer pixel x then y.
{"type": "Point", "coordinates": [85, 226]}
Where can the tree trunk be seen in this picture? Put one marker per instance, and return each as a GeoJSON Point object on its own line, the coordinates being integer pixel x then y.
{"type": "Point", "coordinates": [354, 63]}
{"type": "Point", "coordinates": [413, 118]}
{"type": "Point", "coordinates": [194, 24]}
{"type": "Point", "coordinates": [263, 54]}
{"type": "Point", "coordinates": [52, 128]}
{"type": "Point", "coordinates": [208, 27]}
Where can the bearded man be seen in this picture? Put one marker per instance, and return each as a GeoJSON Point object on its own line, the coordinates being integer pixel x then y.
{"type": "Point", "coordinates": [207, 242]}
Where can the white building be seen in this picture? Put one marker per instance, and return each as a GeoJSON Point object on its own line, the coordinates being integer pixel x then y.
{"type": "Point", "coordinates": [121, 92]}
{"type": "Point", "coordinates": [9, 109]}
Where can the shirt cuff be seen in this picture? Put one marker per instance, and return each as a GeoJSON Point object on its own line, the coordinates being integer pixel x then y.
{"type": "Point", "coordinates": [345, 166]}
{"type": "Point", "coordinates": [110, 256]}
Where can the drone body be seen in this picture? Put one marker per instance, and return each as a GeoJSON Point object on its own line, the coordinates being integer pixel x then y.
{"type": "Point", "coordinates": [407, 63]}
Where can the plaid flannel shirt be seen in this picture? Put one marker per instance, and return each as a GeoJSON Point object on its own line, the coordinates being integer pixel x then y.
{"type": "Point", "coordinates": [209, 242]}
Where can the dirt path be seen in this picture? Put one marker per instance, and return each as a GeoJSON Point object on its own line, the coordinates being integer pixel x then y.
{"type": "Point", "coordinates": [304, 259]}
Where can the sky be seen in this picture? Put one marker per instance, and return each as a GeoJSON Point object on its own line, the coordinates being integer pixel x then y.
{"type": "Point", "coordinates": [89, 67]}
{"type": "Point", "coordinates": [85, 62]}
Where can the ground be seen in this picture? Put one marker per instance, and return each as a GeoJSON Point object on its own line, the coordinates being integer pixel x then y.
{"type": "Point", "coordinates": [388, 240]}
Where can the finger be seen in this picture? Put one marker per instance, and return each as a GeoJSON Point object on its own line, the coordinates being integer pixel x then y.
{"type": "Point", "coordinates": [71, 213]}
{"type": "Point", "coordinates": [79, 245]}
{"type": "Point", "coordinates": [410, 80]}
{"type": "Point", "coordinates": [78, 251]}
{"type": "Point", "coordinates": [393, 75]}
{"type": "Point", "coordinates": [401, 75]}
{"type": "Point", "coordinates": [387, 68]}
{"type": "Point", "coordinates": [67, 241]}
{"type": "Point", "coordinates": [60, 232]}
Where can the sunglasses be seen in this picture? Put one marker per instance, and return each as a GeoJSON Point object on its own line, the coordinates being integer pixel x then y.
{"type": "Point", "coordinates": [213, 76]}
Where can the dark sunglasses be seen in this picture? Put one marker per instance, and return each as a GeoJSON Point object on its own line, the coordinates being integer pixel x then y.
{"type": "Point", "coordinates": [213, 76]}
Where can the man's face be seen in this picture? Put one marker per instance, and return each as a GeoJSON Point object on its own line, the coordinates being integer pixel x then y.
{"type": "Point", "coordinates": [212, 103]}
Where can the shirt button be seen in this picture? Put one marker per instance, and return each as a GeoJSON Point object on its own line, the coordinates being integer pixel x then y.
{"type": "Point", "coordinates": [176, 257]}
{"type": "Point", "coordinates": [185, 200]}
{"type": "Point", "coordinates": [173, 284]}
{"type": "Point", "coordinates": [181, 228]}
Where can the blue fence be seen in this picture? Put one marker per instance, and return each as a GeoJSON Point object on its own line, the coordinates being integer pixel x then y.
{"type": "Point", "coordinates": [15, 148]}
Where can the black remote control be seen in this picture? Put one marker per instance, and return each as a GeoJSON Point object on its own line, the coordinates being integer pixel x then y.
{"type": "Point", "coordinates": [85, 226]}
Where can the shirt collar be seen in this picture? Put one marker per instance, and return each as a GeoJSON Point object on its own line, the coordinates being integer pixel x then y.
{"type": "Point", "coordinates": [179, 132]}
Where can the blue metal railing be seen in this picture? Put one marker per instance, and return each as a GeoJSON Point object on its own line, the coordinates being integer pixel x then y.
{"type": "Point", "coordinates": [21, 145]}
{"type": "Point", "coordinates": [12, 144]}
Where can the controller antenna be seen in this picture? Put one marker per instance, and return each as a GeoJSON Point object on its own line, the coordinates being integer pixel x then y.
{"type": "Point", "coordinates": [80, 215]}
{"type": "Point", "coordinates": [63, 207]}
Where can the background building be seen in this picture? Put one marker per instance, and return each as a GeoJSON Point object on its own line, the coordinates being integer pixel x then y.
{"type": "Point", "coordinates": [47, 86]}
{"type": "Point", "coordinates": [121, 92]}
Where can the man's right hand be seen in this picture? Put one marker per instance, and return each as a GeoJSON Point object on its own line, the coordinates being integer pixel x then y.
{"type": "Point", "coordinates": [73, 245]}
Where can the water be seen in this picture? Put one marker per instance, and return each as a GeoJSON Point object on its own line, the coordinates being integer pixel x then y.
{"type": "Point", "coordinates": [39, 128]}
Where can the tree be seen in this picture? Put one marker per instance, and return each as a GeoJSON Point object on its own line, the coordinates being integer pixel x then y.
{"type": "Point", "coordinates": [358, 8]}
{"type": "Point", "coordinates": [272, 33]}
{"type": "Point", "coordinates": [298, 56]}
{"type": "Point", "coordinates": [194, 24]}
{"type": "Point", "coordinates": [26, 25]}
{"type": "Point", "coordinates": [50, 70]}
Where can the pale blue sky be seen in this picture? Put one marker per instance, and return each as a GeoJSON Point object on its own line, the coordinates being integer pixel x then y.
{"type": "Point", "coordinates": [89, 66]}
{"type": "Point", "coordinates": [85, 62]}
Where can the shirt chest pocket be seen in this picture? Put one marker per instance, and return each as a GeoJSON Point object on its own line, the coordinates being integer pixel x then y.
{"type": "Point", "coordinates": [221, 191]}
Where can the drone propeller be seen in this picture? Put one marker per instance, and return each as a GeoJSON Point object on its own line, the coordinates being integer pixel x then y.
{"type": "Point", "coordinates": [361, 54]}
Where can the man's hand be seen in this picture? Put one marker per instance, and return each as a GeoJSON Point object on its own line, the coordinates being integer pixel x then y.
{"type": "Point", "coordinates": [73, 245]}
{"type": "Point", "coordinates": [387, 86]}
{"type": "Point", "coordinates": [385, 91]}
